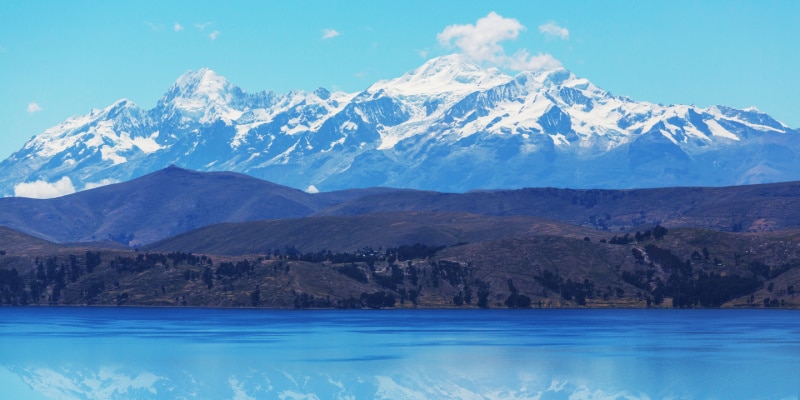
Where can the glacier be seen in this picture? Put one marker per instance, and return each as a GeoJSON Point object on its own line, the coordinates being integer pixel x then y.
{"type": "Point", "coordinates": [450, 125]}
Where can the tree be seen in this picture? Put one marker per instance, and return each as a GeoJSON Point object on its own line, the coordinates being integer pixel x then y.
{"type": "Point", "coordinates": [92, 261]}
{"type": "Point", "coordinates": [516, 300]}
{"type": "Point", "coordinates": [378, 299]}
{"type": "Point", "coordinates": [483, 295]}
{"type": "Point", "coordinates": [208, 278]}
{"type": "Point", "coordinates": [255, 297]}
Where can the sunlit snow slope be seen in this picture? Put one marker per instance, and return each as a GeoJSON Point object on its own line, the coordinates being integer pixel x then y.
{"type": "Point", "coordinates": [450, 125]}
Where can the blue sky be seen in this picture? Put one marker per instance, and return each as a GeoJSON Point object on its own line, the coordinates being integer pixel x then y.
{"type": "Point", "coordinates": [63, 58]}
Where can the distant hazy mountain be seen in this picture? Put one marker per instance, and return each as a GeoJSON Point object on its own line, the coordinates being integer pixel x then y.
{"type": "Point", "coordinates": [450, 125]}
{"type": "Point", "coordinates": [174, 200]}
{"type": "Point", "coordinates": [159, 205]}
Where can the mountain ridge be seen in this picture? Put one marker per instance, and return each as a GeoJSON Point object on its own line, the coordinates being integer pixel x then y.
{"type": "Point", "coordinates": [450, 125]}
{"type": "Point", "coordinates": [173, 200]}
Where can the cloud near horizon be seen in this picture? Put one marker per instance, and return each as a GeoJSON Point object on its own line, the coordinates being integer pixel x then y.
{"type": "Point", "coordinates": [42, 189]}
{"type": "Point", "coordinates": [552, 30]}
{"type": "Point", "coordinates": [100, 183]}
{"type": "Point", "coordinates": [330, 33]}
{"type": "Point", "coordinates": [482, 42]}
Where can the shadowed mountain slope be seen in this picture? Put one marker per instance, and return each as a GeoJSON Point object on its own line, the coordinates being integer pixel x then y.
{"type": "Point", "coordinates": [174, 200]}
{"type": "Point", "coordinates": [14, 242]}
{"type": "Point", "coordinates": [350, 233]}
{"type": "Point", "coordinates": [735, 208]}
{"type": "Point", "coordinates": [158, 205]}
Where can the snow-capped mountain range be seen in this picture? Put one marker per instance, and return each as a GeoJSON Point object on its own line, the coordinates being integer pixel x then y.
{"type": "Point", "coordinates": [450, 125]}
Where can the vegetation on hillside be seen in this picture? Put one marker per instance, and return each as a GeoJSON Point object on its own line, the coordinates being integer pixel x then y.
{"type": "Point", "coordinates": [654, 268]}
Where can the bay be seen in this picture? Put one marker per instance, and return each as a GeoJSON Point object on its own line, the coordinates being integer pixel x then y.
{"type": "Point", "coordinates": [187, 353]}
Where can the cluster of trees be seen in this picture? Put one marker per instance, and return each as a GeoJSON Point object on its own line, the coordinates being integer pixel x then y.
{"type": "Point", "coordinates": [354, 272]}
{"type": "Point", "coordinates": [368, 255]}
{"type": "Point", "coordinates": [659, 273]}
{"type": "Point", "coordinates": [143, 262]}
{"type": "Point", "coordinates": [49, 277]}
{"type": "Point", "coordinates": [515, 299]}
{"type": "Point", "coordinates": [231, 270]}
{"type": "Point", "coordinates": [567, 288]}
{"type": "Point", "coordinates": [52, 276]}
{"type": "Point", "coordinates": [657, 233]}
{"type": "Point", "coordinates": [407, 280]}
{"type": "Point", "coordinates": [12, 288]}
{"type": "Point", "coordinates": [688, 287]}
{"type": "Point", "coordinates": [376, 300]}
{"type": "Point", "coordinates": [433, 274]}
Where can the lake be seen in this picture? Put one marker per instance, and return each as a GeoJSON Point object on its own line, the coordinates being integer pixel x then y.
{"type": "Point", "coordinates": [175, 353]}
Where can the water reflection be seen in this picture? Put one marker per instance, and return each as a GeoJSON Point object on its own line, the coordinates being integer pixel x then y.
{"type": "Point", "coordinates": [101, 353]}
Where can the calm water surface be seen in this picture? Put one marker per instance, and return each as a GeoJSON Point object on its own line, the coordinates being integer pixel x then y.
{"type": "Point", "coordinates": [137, 353]}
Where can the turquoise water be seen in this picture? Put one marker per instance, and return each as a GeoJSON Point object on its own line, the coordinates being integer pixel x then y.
{"type": "Point", "coordinates": [136, 353]}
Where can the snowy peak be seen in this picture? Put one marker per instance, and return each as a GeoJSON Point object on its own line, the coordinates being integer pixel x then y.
{"type": "Point", "coordinates": [453, 73]}
{"type": "Point", "coordinates": [204, 96]}
{"type": "Point", "coordinates": [449, 125]}
{"type": "Point", "coordinates": [202, 83]}
{"type": "Point", "coordinates": [750, 115]}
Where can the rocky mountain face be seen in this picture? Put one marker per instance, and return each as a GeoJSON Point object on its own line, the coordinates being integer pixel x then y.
{"type": "Point", "coordinates": [450, 125]}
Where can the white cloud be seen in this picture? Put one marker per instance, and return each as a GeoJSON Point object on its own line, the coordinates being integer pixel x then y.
{"type": "Point", "coordinates": [482, 40]}
{"type": "Point", "coordinates": [34, 107]}
{"type": "Point", "coordinates": [523, 61]}
{"type": "Point", "coordinates": [423, 53]}
{"type": "Point", "coordinates": [202, 26]}
{"type": "Point", "coordinates": [177, 27]}
{"type": "Point", "coordinates": [44, 190]}
{"type": "Point", "coordinates": [330, 33]}
{"type": "Point", "coordinates": [100, 183]}
{"type": "Point", "coordinates": [482, 43]}
{"type": "Point", "coordinates": [213, 35]}
{"type": "Point", "coordinates": [552, 30]}
{"type": "Point", "coordinates": [312, 189]}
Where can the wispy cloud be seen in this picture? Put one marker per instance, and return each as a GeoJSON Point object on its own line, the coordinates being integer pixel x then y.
{"type": "Point", "coordinates": [202, 25]}
{"type": "Point", "coordinates": [152, 26]}
{"type": "Point", "coordinates": [522, 60]}
{"type": "Point", "coordinates": [482, 42]}
{"type": "Point", "coordinates": [34, 107]}
{"type": "Point", "coordinates": [423, 53]}
{"type": "Point", "coordinates": [552, 30]}
{"type": "Point", "coordinates": [330, 33]}
{"type": "Point", "coordinates": [177, 27]}
{"type": "Point", "coordinates": [43, 189]}
{"type": "Point", "coordinates": [213, 35]}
